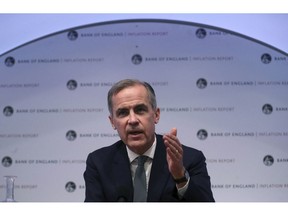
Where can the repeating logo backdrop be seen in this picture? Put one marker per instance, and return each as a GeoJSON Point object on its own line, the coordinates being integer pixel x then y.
{"type": "Point", "coordinates": [226, 93]}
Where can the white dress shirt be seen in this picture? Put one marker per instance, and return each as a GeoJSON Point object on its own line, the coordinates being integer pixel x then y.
{"type": "Point", "coordinates": [148, 164]}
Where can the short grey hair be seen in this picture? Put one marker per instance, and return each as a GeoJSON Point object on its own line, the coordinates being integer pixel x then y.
{"type": "Point", "coordinates": [122, 84]}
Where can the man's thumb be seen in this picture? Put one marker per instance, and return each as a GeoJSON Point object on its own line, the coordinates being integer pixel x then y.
{"type": "Point", "coordinates": [174, 131]}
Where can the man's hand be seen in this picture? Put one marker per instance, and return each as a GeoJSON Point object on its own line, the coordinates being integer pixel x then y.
{"type": "Point", "coordinates": [174, 154]}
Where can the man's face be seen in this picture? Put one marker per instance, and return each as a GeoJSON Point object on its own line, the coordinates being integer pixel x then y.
{"type": "Point", "coordinates": [134, 118]}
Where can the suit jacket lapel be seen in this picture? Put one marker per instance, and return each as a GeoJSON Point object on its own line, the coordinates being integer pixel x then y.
{"type": "Point", "coordinates": [122, 174]}
{"type": "Point", "coordinates": [159, 172]}
{"type": "Point", "coordinates": [158, 177]}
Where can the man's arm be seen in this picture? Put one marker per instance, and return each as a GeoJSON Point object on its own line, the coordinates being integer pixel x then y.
{"type": "Point", "coordinates": [93, 191]}
{"type": "Point", "coordinates": [199, 188]}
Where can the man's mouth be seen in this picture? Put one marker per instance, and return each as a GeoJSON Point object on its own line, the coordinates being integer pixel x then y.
{"type": "Point", "coordinates": [135, 132]}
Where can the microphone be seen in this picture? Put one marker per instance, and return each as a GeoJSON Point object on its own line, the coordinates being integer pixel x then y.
{"type": "Point", "coordinates": [123, 194]}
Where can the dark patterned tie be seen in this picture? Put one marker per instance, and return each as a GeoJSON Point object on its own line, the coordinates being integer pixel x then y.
{"type": "Point", "coordinates": [140, 184]}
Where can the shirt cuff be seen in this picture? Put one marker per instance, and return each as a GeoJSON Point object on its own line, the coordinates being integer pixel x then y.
{"type": "Point", "coordinates": [182, 190]}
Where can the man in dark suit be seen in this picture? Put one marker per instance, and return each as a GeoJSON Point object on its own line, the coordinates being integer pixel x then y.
{"type": "Point", "coordinates": [173, 172]}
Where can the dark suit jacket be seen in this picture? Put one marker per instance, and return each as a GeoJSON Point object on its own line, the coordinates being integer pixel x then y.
{"type": "Point", "coordinates": [108, 176]}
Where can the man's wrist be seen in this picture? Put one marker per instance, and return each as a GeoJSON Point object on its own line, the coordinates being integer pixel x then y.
{"type": "Point", "coordinates": [182, 179]}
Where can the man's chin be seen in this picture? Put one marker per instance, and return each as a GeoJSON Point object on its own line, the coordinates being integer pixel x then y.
{"type": "Point", "coordinates": [137, 147]}
{"type": "Point", "coordinates": [136, 142]}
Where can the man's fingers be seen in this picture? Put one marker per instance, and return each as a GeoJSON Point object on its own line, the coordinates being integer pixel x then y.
{"type": "Point", "coordinates": [174, 131]}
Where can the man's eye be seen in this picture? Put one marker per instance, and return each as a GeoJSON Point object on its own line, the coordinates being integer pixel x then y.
{"type": "Point", "coordinates": [121, 113]}
{"type": "Point", "coordinates": [141, 109]}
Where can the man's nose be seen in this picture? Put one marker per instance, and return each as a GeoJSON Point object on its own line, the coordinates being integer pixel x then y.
{"type": "Point", "coordinates": [132, 118]}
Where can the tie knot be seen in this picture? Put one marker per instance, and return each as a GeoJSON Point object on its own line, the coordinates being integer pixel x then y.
{"type": "Point", "coordinates": [141, 160]}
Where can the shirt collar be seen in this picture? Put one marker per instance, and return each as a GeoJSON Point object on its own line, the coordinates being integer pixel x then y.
{"type": "Point", "coordinates": [150, 152]}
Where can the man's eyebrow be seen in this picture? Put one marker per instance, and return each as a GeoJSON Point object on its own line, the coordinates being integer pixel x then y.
{"type": "Point", "coordinates": [142, 104]}
{"type": "Point", "coordinates": [136, 106]}
{"type": "Point", "coordinates": [121, 109]}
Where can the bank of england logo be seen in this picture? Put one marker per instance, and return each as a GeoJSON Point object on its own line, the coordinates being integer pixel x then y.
{"type": "Point", "coordinates": [268, 160]}
{"type": "Point", "coordinates": [9, 61]}
{"type": "Point", "coordinates": [72, 35]}
{"type": "Point", "coordinates": [267, 109]}
{"type": "Point", "coordinates": [6, 161]}
{"type": "Point", "coordinates": [8, 111]}
{"type": "Point", "coordinates": [71, 84]}
{"type": "Point", "coordinates": [202, 134]}
{"type": "Point", "coordinates": [70, 187]}
{"type": "Point", "coordinates": [136, 59]}
{"type": "Point", "coordinates": [201, 83]}
{"type": "Point", "coordinates": [71, 135]}
{"type": "Point", "coordinates": [266, 58]}
{"type": "Point", "coordinates": [201, 33]}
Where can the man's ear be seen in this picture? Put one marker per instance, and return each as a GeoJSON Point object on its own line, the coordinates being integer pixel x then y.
{"type": "Point", "coordinates": [157, 116]}
{"type": "Point", "coordinates": [111, 121]}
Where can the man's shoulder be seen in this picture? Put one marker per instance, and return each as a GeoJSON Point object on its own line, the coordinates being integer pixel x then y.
{"type": "Point", "coordinates": [190, 149]}
{"type": "Point", "coordinates": [193, 154]}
